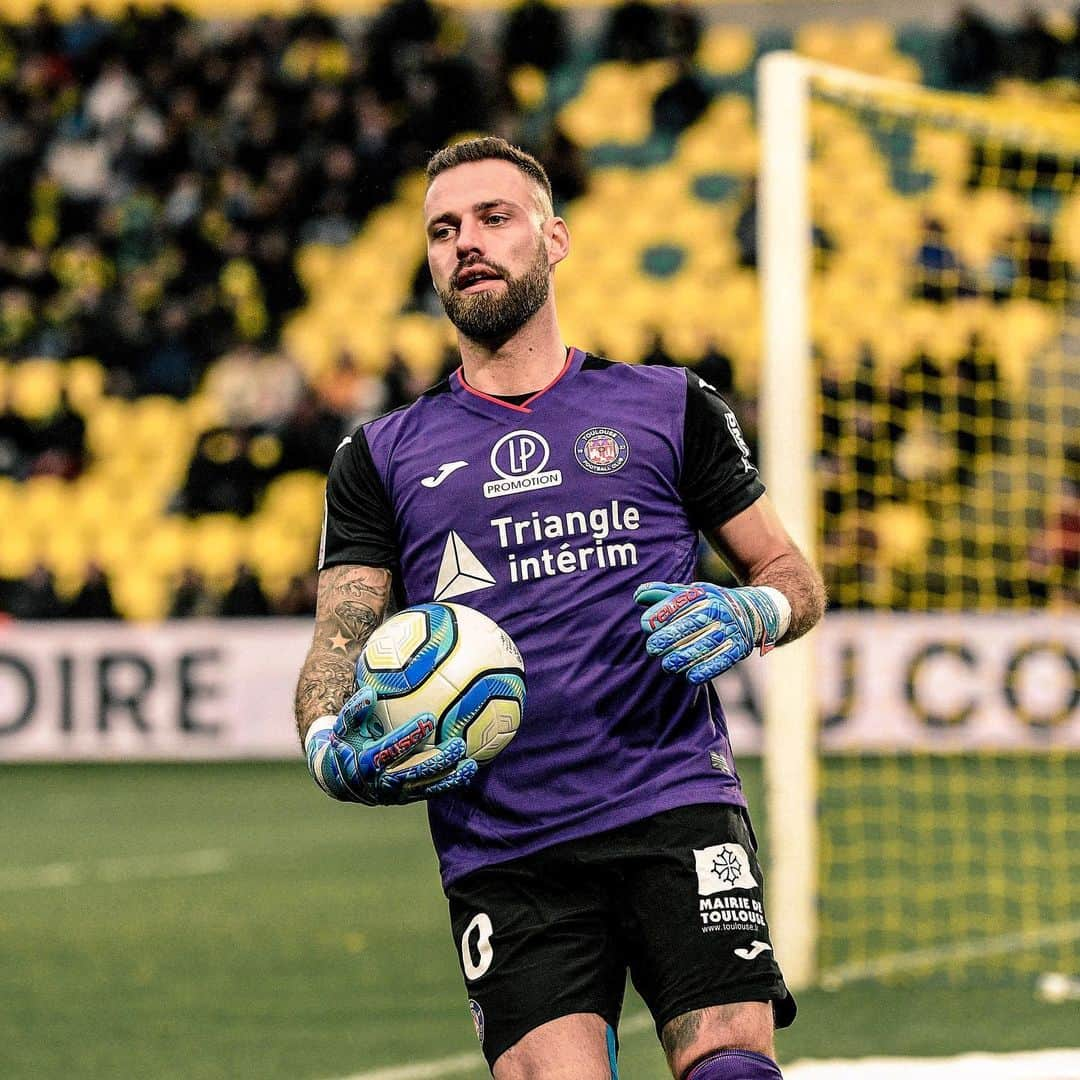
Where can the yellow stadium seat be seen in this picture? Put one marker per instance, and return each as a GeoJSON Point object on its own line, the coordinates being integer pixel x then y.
{"type": "Point", "coordinates": [140, 595]}
{"type": "Point", "coordinates": [871, 40]}
{"type": "Point", "coordinates": [316, 265]}
{"type": "Point", "coordinates": [615, 104]}
{"type": "Point", "coordinates": [65, 552]}
{"type": "Point", "coordinates": [1068, 229]}
{"type": "Point", "coordinates": [725, 50]}
{"type": "Point", "coordinates": [45, 503]}
{"type": "Point", "coordinates": [203, 411]}
{"type": "Point", "coordinates": [294, 503]}
{"type": "Point", "coordinates": [819, 41]}
{"type": "Point", "coordinates": [106, 426]}
{"type": "Point", "coordinates": [217, 544]}
{"type": "Point", "coordinates": [113, 545]}
{"type": "Point", "coordinates": [277, 553]}
{"type": "Point", "coordinates": [20, 551]}
{"type": "Point", "coordinates": [84, 379]}
{"type": "Point", "coordinates": [155, 422]}
{"type": "Point", "coordinates": [419, 339]}
{"type": "Point", "coordinates": [903, 532]}
{"type": "Point", "coordinates": [529, 86]}
{"type": "Point", "coordinates": [167, 546]}
{"type": "Point", "coordinates": [35, 387]}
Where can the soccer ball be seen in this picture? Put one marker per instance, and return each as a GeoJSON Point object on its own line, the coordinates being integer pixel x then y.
{"type": "Point", "coordinates": [453, 662]}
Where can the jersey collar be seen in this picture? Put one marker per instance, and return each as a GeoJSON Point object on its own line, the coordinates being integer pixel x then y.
{"type": "Point", "coordinates": [574, 359]}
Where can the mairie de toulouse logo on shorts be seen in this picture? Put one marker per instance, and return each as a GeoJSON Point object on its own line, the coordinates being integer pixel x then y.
{"type": "Point", "coordinates": [601, 450]}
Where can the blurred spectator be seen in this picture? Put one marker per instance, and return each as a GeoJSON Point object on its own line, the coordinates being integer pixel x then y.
{"type": "Point", "coordinates": [311, 435]}
{"type": "Point", "coordinates": [255, 388]}
{"type": "Point", "coordinates": [565, 165]}
{"type": "Point", "coordinates": [94, 600]}
{"type": "Point", "coordinates": [1054, 554]}
{"type": "Point", "coordinates": [394, 42]}
{"type": "Point", "coordinates": [351, 394]}
{"type": "Point", "coordinates": [981, 409]}
{"type": "Point", "coordinates": [228, 471]}
{"type": "Point", "coordinates": [59, 442]}
{"type": "Point", "coordinates": [171, 366]}
{"type": "Point", "coordinates": [972, 51]}
{"type": "Point", "coordinates": [681, 102]}
{"type": "Point", "coordinates": [402, 385]}
{"type": "Point", "coordinates": [1034, 52]}
{"type": "Point", "coordinates": [634, 32]}
{"type": "Point", "coordinates": [299, 597]}
{"type": "Point", "coordinates": [244, 598]}
{"type": "Point", "coordinates": [34, 597]}
{"type": "Point", "coordinates": [534, 33]}
{"type": "Point", "coordinates": [684, 25]}
{"type": "Point", "coordinates": [658, 354]}
{"type": "Point", "coordinates": [715, 367]}
{"type": "Point", "coordinates": [83, 34]}
{"type": "Point", "coordinates": [192, 599]}
{"type": "Point", "coordinates": [938, 272]}
{"type": "Point", "coordinates": [17, 445]}
{"type": "Point", "coordinates": [1042, 271]}
{"type": "Point", "coordinates": [746, 225]}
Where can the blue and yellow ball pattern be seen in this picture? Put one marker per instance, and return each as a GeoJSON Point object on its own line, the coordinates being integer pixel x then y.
{"type": "Point", "coordinates": [453, 662]}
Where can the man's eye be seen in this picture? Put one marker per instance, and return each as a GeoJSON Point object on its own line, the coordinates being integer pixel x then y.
{"type": "Point", "coordinates": [496, 219]}
{"type": "Point", "coordinates": [442, 233]}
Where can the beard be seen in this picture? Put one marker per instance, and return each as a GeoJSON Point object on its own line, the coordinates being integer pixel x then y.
{"type": "Point", "coordinates": [497, 315]}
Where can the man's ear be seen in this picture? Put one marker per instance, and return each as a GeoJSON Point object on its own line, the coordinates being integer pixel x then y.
{"type": "Point", "coordinates": [557, 238]}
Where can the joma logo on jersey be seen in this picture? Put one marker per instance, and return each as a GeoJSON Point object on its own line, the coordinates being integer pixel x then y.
{"type": "Point", "coordinates": [519, 459]}
{"type": "Point", "coordinates": [736, 433]}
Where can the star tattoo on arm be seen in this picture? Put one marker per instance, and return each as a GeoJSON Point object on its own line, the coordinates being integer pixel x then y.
{"type": "Point", "coordinates": [351, 602]}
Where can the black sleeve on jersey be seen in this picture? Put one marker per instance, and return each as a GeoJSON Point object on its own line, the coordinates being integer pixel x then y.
{"type": "Point", "coordinates": [359, 526]}
{"type": "Point", "coordinates": [718, 478]}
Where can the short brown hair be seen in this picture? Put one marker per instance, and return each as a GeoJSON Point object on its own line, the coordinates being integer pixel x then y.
{"type": "Point", "coordinates": [488, 148]}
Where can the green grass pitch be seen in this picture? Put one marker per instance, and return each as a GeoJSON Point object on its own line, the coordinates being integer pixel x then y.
{"type": "Point", "coordinates": [218, 921]}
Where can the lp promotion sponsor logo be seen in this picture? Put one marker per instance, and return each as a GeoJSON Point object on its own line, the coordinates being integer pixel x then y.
{"type": "Point", "coordinates": [519, 459]}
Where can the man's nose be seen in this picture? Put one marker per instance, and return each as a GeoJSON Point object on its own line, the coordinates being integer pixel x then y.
{"type": "Point", "coordinates": [469, 238]}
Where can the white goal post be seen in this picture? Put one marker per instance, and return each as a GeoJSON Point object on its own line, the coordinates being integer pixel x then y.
{"type": "Point", "coordinates": [787, 455]}
{"type": "Point", "coordinates": [787, 438]}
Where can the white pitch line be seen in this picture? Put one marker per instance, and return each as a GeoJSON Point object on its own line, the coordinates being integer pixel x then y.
{"type": "Point", "coordinates": [937, 956]}
{"type": "Point", "coordinates": [128, 868]}
{"type": "Point", "coordinates": [1033, 1065]}
{"type": "Point", "coordinates": [462, 1063]}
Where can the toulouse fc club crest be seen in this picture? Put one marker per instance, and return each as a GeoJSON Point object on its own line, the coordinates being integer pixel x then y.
{"type": "Point", "coordinates": [601, 450]}
{"type": "Point", "coordinates": [477, 1018]}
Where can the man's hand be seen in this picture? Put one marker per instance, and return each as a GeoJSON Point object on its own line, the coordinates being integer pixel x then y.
{"type": "Point", "coordinates": [702, 630]}
{"type": "Point", "coordinates": [349, 764]}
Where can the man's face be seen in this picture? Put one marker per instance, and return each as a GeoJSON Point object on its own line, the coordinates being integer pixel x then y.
{"type": "Point", "coordinates": [487, 248]}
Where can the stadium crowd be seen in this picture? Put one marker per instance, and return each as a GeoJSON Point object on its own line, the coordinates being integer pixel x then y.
{"type": "Point", "coordinates": [159, 174]}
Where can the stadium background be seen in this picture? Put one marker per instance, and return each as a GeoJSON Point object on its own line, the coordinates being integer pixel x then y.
{"type": "Point", "coordinates": [211, 269]}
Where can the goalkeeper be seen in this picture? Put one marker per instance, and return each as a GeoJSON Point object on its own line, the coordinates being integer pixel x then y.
{"type": "Point", "coordinates": [562, 495]}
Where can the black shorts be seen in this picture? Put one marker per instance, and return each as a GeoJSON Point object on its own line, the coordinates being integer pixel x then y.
{"type": "Point", "coordinates": [675, 899]}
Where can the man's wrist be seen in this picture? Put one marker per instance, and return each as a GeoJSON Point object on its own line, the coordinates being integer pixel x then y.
{"type": "Point", "coordinates": [317, 728]}
{"type": "Point", "coordinates": [783, 610]}
{"type": "Point", "coordinates": [316, 747]}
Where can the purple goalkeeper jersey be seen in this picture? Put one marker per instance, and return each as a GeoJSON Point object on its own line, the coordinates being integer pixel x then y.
{"type": "Point", "coordinates": [546, 516]}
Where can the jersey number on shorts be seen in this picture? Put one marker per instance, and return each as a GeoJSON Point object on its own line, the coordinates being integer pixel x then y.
{"type": "Point", "coordinates": [481, 924]}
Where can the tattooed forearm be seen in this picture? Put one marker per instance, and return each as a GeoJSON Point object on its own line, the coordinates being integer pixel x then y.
{"type": "Point", "coordinates": [351, 603]}
{"type": "Point", "coordinates": [803, 587]}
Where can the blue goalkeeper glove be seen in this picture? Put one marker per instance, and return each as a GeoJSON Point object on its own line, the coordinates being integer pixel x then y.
{"type": "Point", "coordinates": [349, 764]}
{"type": "Point", "coordinates": [701, 630]}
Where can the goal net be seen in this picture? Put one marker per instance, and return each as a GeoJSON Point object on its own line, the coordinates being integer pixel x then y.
{"type": "Point", "coordinates": [921, 433]}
